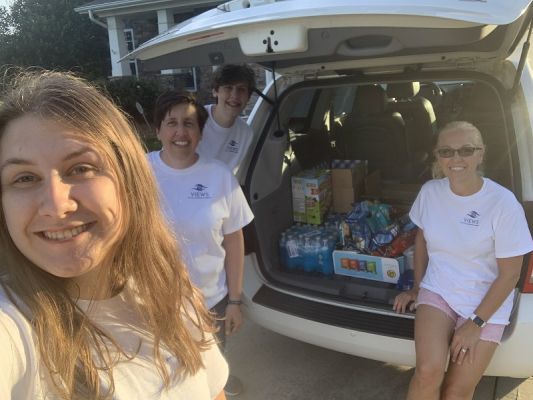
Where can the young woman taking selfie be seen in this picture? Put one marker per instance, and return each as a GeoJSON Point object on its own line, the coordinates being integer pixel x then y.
{"type": "Point", "coordinates": [95, 301]}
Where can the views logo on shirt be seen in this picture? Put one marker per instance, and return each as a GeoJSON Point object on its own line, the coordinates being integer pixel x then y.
{"type": "Point", "coordinates": [199, 192]}
{"type": "Point", "coordinates": [472, 218]}
{"type": "Point", "coordinates": [233, 147]}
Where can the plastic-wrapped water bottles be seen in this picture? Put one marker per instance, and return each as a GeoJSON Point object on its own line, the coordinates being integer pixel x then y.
{"type": "Point", "coordinates": [283, 256]}
{"type": "Point", "coordinates": [309, 258]}
{"type": "Point", "coordinates": [294, 253]}
{"type": "Point", "coordinates": [325, 254]}
{"type": "Point", "coordinates": [308, 248]}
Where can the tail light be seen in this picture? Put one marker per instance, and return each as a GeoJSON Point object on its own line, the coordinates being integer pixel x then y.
{"type": "Point", "coordinates": [528, 279]}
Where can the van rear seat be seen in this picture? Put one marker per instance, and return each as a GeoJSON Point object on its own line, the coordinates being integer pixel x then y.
{"type": "Point", "coordinates": [482, 107]}
{"type": "Point", "coordinates": [420, 123]}
{"type": "Point", "coordinates": [373, 133]}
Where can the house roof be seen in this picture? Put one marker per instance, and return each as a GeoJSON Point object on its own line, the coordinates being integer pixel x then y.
{"type": "Point", "coordinates": [127, 6]}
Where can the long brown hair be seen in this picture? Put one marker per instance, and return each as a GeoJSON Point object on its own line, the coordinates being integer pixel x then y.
{"type": "Point", "coordinates": [146, 256]}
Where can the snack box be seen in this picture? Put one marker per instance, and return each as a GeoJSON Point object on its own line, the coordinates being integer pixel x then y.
{"type": "Point", "coordinates": [351, 263]}
{"type": "Point", "coordinates": [298, 199]}
{"type": "Point", "coordinates": [311, 196]}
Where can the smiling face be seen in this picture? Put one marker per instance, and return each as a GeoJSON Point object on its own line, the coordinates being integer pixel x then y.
{"type": "Point", "coordinates": [60, 203]}
{"type": "Point", "coordinates": [180, 133]}
{"type": "Point", "coordinates": [231, 99]}
{"type": "Point", "coordinates": [460, 169]}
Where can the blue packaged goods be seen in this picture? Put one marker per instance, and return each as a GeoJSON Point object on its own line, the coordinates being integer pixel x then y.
{"type": "Point", "coordinates": [310, 254]}
{"type": "Point", "coordinates": [405, 223]}
{"type": "Point", "coordinates": [406, 281]}
{"type": "Point", "coordinates": [358, 212]}
{"type": "Point", "coordinates": [361, 235]}
{"type": "Point", "coordinates": [325, 257]}
{"type": "Point", "coordinates": [382, 238]}
{"type": "Point", "coordinates": [386, 236]}
{"type": "Point", "coordinates": [283, 255]}
{"type": "Point", "coordinates": [398, 245]}
{"type": "Point", "coordinates": [294, 258]}
{"type": "Point", "coordinates": [409, 255]}
{"type": "Point", "coordinates": [308, 248]}
{"type": "Point", "coordinates": [379, 216]}
{"type": "Point", "coordinates": [346, 164]}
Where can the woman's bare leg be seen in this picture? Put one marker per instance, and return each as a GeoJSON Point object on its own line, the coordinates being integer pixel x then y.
{"type": "Point", "coordinates": [461, 379]}
{"type": "Point", "coordinates": [433, 332]}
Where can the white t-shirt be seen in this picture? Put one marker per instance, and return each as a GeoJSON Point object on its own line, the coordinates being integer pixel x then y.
{"type": "Point", "coordinates": [464, 236]}
{"type": "Point", "coordinates": [23, 377]}
{"type": "Point", "coordinates": [228, 145]}
{"type": "Point", "coordinates": [204, 202]}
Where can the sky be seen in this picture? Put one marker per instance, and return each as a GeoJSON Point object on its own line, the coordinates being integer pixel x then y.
{"type": "Point", "coordinates": [5, 3]}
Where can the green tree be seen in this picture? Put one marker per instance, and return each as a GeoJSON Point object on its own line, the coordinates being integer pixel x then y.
{"type": "Point", "coordinates": [4, 22]}
{"type": "Point", "coordinates": [4, 33]}
{"type": "Point", "coordinates": [50, 34]}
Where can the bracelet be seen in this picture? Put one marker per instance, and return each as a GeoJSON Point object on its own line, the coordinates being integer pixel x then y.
{"type": "Point", "coordinates": [235, 302]}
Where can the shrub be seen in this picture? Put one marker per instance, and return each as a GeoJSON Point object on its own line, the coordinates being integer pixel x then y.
{"type": "Point", "coordinates": [152, 143]}
{"type": "Point", "coordinates": [127, 91]}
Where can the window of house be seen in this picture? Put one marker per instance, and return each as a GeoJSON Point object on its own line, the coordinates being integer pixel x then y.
{"type": "Point", "coordinates": [187, 77]}
{"type": "Point", "coordinates": [129, 38]}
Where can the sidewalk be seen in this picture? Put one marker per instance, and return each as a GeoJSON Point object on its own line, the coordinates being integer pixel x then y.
{"type": "Point", "coordinates": [275, 367]}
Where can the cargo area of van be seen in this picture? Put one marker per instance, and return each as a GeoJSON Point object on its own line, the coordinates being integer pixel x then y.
{"type": "Point", "coordinates": [363, 149]}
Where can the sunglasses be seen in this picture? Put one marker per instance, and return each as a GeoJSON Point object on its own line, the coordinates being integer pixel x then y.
{"type": "Point", "coordinates": [465, 151]}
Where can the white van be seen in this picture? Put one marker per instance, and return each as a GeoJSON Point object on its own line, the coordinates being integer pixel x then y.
{"type": "Point", "coordinates": [367, 80]}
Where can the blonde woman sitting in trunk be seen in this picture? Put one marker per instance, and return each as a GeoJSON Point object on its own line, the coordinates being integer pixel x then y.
{"type": "Point", "coordinates": [468, 255]}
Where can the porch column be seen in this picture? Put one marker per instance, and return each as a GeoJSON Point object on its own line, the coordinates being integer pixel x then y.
{"type": "Point", "coordinates": [117, 47]}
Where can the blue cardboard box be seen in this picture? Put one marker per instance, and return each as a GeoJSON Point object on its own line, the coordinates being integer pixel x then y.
{"type": "Point", "coordinates": [358, 265]}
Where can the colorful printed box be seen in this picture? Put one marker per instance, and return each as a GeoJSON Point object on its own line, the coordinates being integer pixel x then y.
{"type": "Point", "coordinates": [362, 266]}
{"type": "Point", "coordinates": [311, 195]}
{"type": "Point", "coordinates": [298, 199]}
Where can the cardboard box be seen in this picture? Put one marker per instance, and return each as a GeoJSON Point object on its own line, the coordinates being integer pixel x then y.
{"type": "Point", "coordinates": [343, 199]}
{"type": "Point", "coordinates": [298, 199]}
{"type": "Point", "coordinates": [351, 177]}
{"type": "Point", "coordinates": [382, 269]}
{"type": "Point", "coordinates": [373, 185]}
{"type": "Point", "coordinates": [316, 207]}
{"type": "Point", "coordinates": [317, 195]}
{"type": "Point", "coordinates": [347, 186]}
{"type": "Point", "coordinates": [311, 195]}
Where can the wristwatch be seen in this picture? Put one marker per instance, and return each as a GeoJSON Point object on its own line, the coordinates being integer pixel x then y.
{"type": "Point", "coordinates": [478, 321]}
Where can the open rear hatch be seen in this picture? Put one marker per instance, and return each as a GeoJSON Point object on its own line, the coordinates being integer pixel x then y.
{"type": "Point", "coordinates": [313, 36]}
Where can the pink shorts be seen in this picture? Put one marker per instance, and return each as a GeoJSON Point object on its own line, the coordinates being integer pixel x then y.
{"type": "Point", "coordinates": [489, 333]}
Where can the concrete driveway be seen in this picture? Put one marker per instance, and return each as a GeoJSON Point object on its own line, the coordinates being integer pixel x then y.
{"type": "Point", "coordinates": [274, 367]}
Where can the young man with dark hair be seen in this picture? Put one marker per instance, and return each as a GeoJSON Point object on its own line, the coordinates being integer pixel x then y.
{"type": "Point", "coordinates": [226, 136]}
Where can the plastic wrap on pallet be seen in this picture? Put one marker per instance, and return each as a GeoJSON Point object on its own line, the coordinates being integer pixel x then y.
{"type": "Point", "coordinates": [344, 164]}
